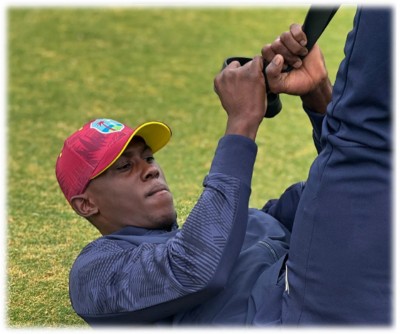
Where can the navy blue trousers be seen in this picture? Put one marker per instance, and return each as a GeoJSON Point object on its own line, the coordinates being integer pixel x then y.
{"type": "Point", "coordinates": [339, 264]}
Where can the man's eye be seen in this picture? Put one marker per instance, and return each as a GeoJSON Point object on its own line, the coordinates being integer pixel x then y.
{"type": "Point", "coordinates": [150, 159]}
{"type": "Point", "coordinates": [124, 166]}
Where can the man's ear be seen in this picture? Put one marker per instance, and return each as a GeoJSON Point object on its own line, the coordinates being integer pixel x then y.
{"type": "Point", "coordinates": [83, 205]}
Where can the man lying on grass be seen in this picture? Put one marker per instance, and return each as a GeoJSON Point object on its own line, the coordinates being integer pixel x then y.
{"type": "Point", "coordinates": [229, 264]}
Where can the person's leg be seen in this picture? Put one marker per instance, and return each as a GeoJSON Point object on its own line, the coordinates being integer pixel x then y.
{"type": "Point", "coordinates": [339, 264]}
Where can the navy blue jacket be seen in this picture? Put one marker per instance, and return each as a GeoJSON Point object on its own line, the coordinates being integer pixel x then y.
{"type": "Point", "coordinates": [217, 269]}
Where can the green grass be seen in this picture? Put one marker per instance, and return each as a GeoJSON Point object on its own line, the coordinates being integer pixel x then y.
{"type": "Point", "coordinates": [66, 66]}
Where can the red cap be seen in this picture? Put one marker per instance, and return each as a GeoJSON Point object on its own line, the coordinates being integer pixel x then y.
{"type": "Point", "coordinates": [96, 146]}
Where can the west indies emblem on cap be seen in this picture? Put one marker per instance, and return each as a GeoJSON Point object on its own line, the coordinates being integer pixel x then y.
{"type": "Point", "coordinates": [105, 125]}
{"type": "Point", "coordinates": [92, 149]}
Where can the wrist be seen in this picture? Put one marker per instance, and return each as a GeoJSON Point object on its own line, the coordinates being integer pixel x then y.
{"type": "Point", "coordinates": [242, 127]}
{"type": "Point", "coordinates": [319, 98]}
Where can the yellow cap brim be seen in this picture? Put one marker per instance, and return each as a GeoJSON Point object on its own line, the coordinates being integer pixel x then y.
{"type": "Point", "coordinates": [155, 134]}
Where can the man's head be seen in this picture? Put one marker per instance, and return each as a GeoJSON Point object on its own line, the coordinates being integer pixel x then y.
{"type": "Point", "coordinates": [107, 172]}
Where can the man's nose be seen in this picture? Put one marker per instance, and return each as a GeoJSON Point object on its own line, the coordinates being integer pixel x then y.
{"type": "Point", "coordinates": [150, 172]}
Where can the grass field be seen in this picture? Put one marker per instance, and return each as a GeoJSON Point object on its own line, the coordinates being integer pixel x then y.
{"type": "Point", "coordinates": [66, 66]}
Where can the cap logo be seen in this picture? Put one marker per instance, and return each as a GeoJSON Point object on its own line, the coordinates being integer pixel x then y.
{"type": "Point", "coordinates": [106, 126]}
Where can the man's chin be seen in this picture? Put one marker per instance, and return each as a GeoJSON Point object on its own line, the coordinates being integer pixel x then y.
{"type": "Point", "coordinates": [167, 222]}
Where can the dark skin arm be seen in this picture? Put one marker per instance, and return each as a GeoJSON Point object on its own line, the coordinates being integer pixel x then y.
{"type": "Point", "coordinates": [309, 77]}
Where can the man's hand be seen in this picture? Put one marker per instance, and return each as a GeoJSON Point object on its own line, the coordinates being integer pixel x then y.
{"type": "Point", "coordinates": [241, 90]}
{"type": "Point", "coordinates": [308, 78]}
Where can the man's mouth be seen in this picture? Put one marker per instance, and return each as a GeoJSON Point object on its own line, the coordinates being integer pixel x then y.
{"type": "Point", "coordinates": [157, 189]}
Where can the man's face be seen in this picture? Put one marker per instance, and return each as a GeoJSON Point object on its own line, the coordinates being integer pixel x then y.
{"type": "Point", "coordinates": [133, 191]}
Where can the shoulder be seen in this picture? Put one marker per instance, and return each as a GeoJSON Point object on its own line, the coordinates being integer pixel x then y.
{"type": "Point", "coordinates": [97, 251]}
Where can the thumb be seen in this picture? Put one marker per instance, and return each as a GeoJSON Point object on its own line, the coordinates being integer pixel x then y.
{"type": "Point", "coordinates": [234, 64]}
{"type": "Point", "coordinates": [275, 67]}
{"type": "Point", "coordinates": [274, 71]}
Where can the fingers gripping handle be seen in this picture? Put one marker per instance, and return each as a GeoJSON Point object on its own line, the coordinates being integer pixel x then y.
{"type": "Point", "coordinates": [316, 21]}
{"type": "Point", "coordinates": [274, 105]}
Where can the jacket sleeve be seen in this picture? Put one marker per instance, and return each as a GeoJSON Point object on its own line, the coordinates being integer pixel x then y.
{"type": "Point", "coordinates": [148, 283]}
{"type": "Point", "coordinates": [284, 209]}
{"type": "Point", "coordinates": [316, 120]}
